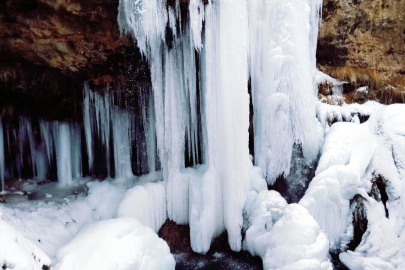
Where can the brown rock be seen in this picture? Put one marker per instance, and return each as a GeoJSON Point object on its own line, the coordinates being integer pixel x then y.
{"type": "Point", "coordinates": [362, 42]}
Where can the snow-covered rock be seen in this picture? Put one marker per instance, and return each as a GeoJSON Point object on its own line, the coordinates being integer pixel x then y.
{"type": "Point", "coordinates": [17, 252]}
{"type": "Point", "coordinates": [116, 244]}
{"type": "Point", "coordinates": [353, 157]}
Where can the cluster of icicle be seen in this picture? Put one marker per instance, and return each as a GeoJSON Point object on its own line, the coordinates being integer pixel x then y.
{"type": "Point", "coordinates": [203, 68]}
{"type": "Point", "coordinates": [114, 128]}
{"type": "Point", "coordinates": [56, 147]}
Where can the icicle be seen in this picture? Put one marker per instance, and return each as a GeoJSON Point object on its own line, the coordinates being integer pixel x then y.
{"type": "Point", "coordinates": [2, 162]}
{"type": "Point", "coordinates": [48, 139]}
{"type": "Point", "coordinates": [63, 152]}
{"type": "Point", "coordinates": [88, 126]}
{"type": "Point", "coordinates": [25, 136]}
{"type": "Point", "coordinates": [149, 122]}
{"type": "Point", "coordinates": [40, 162]}
{"type": "Point", "coordinates": [122, 143]}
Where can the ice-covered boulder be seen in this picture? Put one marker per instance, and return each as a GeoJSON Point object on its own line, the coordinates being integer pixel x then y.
{"type": "Point", "coordinates": [284, 236]}
{"type": "Point", "coordinates": [116, 244]}
{"type": "Point", "coordinates": [264, 209]}
{"type": "Point", "coordinates": [17, 252]}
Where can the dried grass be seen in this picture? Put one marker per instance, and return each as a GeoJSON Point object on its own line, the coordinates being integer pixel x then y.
{"type": "Point", "coordinates": [357, 76]}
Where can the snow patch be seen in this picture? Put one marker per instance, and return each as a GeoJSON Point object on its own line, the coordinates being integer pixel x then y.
{"type": "Point", "coordinates": [116, 244]}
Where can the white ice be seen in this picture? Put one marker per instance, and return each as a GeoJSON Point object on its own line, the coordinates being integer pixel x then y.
{"type": "Point", "coordinates": [283, 38]}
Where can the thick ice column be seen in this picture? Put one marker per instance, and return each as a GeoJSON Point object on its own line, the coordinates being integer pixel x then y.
{"type": "Point", "coordinates": [282, 61]}
{"type": "Point", "coordinates": [63, 152]}
{"type": "Point", "coordinates": [232, 159]}
{"type": "Point", "coordinates": [2, 163]}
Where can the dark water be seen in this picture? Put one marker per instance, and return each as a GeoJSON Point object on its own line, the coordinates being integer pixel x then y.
{"type": "Point", "coordinates": [218, 261]}
{"type": "Point", "coordinates": [230, 261]}
{"type": "Point", "coordinates": [337, 264]}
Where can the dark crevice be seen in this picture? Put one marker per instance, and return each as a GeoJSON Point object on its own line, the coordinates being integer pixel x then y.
{"type": "Point", "coordinates": [359, 220]}
{"type": "Point", "coordinates": [379, 192]}
{"type": "Point", "coordinates": [293, 186]}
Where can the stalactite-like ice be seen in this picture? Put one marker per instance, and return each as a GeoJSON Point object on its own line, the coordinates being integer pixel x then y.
{"type": "Point", "coordinates": [283, 38]}
{"type": "Point", "coordinates": [104, 120]}
{"type": "Point", "coordinates": [224, 104]}
{"type": "Point", "coordinates": [63, 155]}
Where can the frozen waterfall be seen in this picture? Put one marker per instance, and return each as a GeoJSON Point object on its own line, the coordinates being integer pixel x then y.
{"type": "Point", "coordinates": [200, 65]}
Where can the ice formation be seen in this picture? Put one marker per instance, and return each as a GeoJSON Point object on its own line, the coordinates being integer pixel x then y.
{"type": "Point", "coordinates": [44, 149]}
{"type": "Point", "coordinates": [111, 126]}
{"type": "Point", "coordinates": [193, 125]}
{"type": "Point", "coordinates": [200, 88]}
{"type": "Point", "coordinates": [354, 157]}
{"type": "Point", "coordinates": [116, 244]}
{"type": "Point", "coordinates": [222, 98]}
{"type": "Point", "coordinates": [17, 252]}
{"type": "Point", "coordinates": [283, 37]}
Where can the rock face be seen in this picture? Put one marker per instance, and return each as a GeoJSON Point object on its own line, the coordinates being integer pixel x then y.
{"type": "Point", "coordinates": [48, 48]}
{"type": "Point", "coordinates": [362, 42]}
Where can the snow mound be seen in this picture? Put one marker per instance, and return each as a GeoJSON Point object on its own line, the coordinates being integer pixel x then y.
{"type": "Point", "coordinates": [146, 203]}
{"type": "Point", "coordinates": [17, 252]}
{"type": "Point", "coordinates": [295, 241]}
{"type": "Point", "coordinates": [116, 244]}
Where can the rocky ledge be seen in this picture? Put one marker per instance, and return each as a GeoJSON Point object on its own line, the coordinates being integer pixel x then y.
{"type": "Point", "coordinates": [50, 47]}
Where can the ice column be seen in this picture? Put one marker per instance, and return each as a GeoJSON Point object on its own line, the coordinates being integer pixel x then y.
{"type": "Point", "coordinates": [63, 155]}
{"type": "Point", "coordinates": [122, 143]}
{"type": "Point", "coordinates": [232, 159]}
{"type": "Point", "coordinates": [282, 51]}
